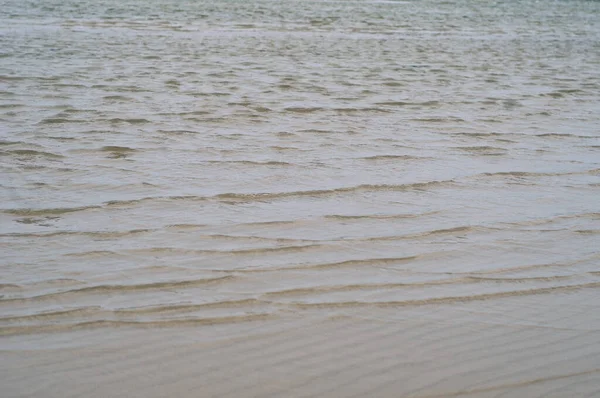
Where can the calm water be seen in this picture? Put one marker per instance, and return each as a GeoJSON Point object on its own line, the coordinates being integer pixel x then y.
{"type": "Point", "coordinates": [187, 163]}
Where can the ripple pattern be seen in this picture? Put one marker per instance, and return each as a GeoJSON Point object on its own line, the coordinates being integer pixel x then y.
{"type": "Point", "coordinates": [299, 198]}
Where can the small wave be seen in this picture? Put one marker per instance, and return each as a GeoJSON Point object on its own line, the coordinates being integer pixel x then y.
{"type": "Point", "coordinates": [285, 134]}
{"type": "Point", "coordinates": [185, 226]}
{"type": "Point", "coordinates": [19, 330]}
{"type": "Point", "coordinates": [562, 93]}
{"type": "Point", "coordinates": [393, 83]}
{"type": "Point", "coordinates": [181, 308]}
{"type": "Point", "coordinates": [13, 78]}
{"type": "Point", "coordinates": [131, 311]}
{"type": "Point", "coordinates": [94, 234]}
{"type": "Point", "coordinates": [32, 153]}
{"type": "Point", "coordinates": [269, 223]}
{"type": "Point", "coordinates": [392, 157]}
{"type": "Point", "coordinates": [123, 288]}
{"type": "Point", "coordinates": [321, 192]}
{"type": "Point", "coordinates": [341, 264]}
{"type": "Point", "coordinates": [518, 268]}
{"type": "Point", "coordinates": [51, 315]}
{"type": "Point", "coordinates": [254, 238]}
{"type": "Point", "coordinates": [563, 135]}
{"type": "Point", "coordinates": [118, 203]}
{"type": "Point", "coordinates": [121, 89]}
{"type": "Point", "coordinates": [408, 103]}
{"type": "Point", "coordinates": [359, 287]}
{"type": "Point", "coordinates": [178, 132]}
{"type": "Point", "coordinates": [379, 216]}
{"type": "Point", "coordinates": [540, 174]}
{"type": "Point", "coordinates": [439, 119]}
{"type": "Point", "coordinates": [520, 279]}
{"type": "Point", "coordinates": [422, 284]}
{"type": "Point", "coordinates": [55, 282]}
{"type": "Point", "coordinates": [447, 300]}
{"type": "Point", "coordinates": [10, 286]}
{"type": "Point", "coordinates": [114, 148]}
{"type": "Point", "coordinates": [251, 251]}
{"type": "Point", "coordinates": [60, 120]}
{"type": "Point", "coordinates": [284, 249]}
{"type": "Point", "coordinates": [519, 174]}
{"type": "Point", "coordinates": [129, 120]}
{"type": "Point", "coordinates": [358, 110]}
{"type": "Point", "coordinates": [482, 134]}
{"type": "Point", "coordinates": [48, 211]}
{"type": "Point", "coordinates": [251, 162]}
{"type": "Point", "coordinates": [58, 138]}
{"type": "Point", "coordinates": [285, 148]}
{"type": "Point", "coordinates": [441, 231]}
{"type": "Point", "coordinates": [44, 222]}
{"type": "Point", "coordinates": [7, 143]}
{"type": "Point", "coordinates": [93, 253]}
{"type": "Point", "coordinates": [208, 94]}
{"type": "Point", "coordinates": [483, 148]}
{"type": "Point", "coordinates": [244, 197]}
{"type": "Point", "coordinates": [357, 263]}
{"type": "Point", "coordinates": [541, 221]}
{"type": "Point", "coordinates": [318, 131]}
{"type": "Point", "coordinates": [298, 109]}
{"type": "Point", "coordinates": [11, 106]}
{"type": "Point", "coordinates": [116, 98]}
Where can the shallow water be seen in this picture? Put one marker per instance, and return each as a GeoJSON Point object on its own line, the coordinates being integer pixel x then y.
{"type": "Point", "coordinates": [418, 179]}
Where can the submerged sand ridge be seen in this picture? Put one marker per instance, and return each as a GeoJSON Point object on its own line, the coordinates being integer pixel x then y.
{"type": "Point", "coordinates": [298, 198]}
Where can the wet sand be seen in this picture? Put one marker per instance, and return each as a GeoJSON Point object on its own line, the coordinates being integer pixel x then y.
{"type": "Point", "coordinates": [532, 345]}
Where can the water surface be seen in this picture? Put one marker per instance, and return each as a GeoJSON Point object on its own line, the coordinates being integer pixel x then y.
{"type": "Point", "coordinates": [300, 198]}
